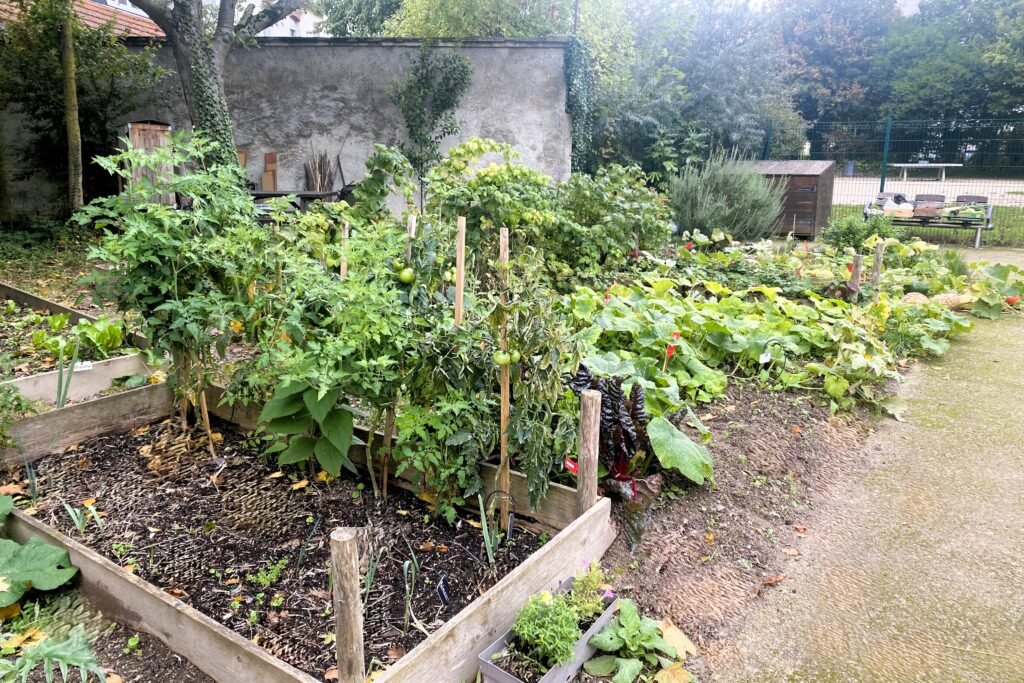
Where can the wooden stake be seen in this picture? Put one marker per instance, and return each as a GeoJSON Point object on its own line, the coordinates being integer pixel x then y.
{"type": "Point", "coordinates": [503, 470]}
{"type": "Point", "coordinates": [206, 423]}
{"type": "Point", "coordinates": [876, 267]}
{"type": "Point", "coordinates": [410, 231]}
{"type": "Point", "coordinates": [348, 604]}
{"type": "Point", "coordinates": [590, 433]}
{"type": "Point", "coordinates": [854, 285]}
{"type": "Point", "coordinates": [343, 267]}
{"type": "Point", "coordinates": [460, 267]}
{"type": "Point", "coordinates": [389, 427]}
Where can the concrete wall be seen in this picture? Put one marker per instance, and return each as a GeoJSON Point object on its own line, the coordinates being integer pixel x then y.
{"type": "Point", "coordinates": [298, 96]}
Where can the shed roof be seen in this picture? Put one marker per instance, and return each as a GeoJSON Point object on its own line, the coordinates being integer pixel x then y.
{"type": "Point", "coordinates": [800, 167]}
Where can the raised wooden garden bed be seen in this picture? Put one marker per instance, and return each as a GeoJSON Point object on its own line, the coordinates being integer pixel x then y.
{"type": "Point", "coordinates": [449, 653]}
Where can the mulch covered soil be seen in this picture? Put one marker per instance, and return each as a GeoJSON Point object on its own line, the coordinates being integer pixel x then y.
{"type": "Point", "coordinates": [711, 551]}
{"type": "Point", "coordinates": [148, 661]}
{"type": "Point", "coordinates": [248, 545]}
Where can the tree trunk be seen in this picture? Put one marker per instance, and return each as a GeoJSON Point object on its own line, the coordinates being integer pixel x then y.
{"type": "Point", "coordinates": [74, 133]}
{"type": "Point", "coordinates": [202, 80]}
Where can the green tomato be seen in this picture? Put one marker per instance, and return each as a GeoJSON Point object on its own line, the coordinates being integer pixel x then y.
{"type": "Point", "coordinates": [398, 265]}
{"type": "Point", "coordinates": [514, 356]}
{"type": "Point", "coordinates": [501, 358]}
{"type": "Point", "coordinates": [407, 276]}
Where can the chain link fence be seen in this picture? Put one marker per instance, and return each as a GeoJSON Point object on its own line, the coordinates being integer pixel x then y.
{"type": "Point", "coordinates": [947, 158]}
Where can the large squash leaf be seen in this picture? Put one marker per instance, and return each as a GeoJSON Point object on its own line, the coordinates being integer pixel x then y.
{"type": "Point", "coordinates": [679, 452]}
{"type": "Point", "coordinates": [33, 565]}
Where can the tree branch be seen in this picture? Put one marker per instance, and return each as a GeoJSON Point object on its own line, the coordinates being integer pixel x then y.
{"type": "Point", "coordinates": [225, 21]}
{"type": "Point", "coordinates": [157, 10]}
{"type": "Point", "coordinates": [251, 24]}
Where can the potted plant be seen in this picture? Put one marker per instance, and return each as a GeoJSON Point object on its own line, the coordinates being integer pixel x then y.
{"type": "Point", "coordinates": [550, 638]}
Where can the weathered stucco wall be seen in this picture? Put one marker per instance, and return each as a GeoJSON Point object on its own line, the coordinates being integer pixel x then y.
{"type": "Point", "coordinates": [299, 96]}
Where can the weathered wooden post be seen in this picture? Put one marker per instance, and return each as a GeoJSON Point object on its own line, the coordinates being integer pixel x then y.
{"type": "Point", "coordinates": [876, 267]}
{"type": "Point", "coordinates": [854, 284]}
{"type": "Point", "coordinates": [348, 604]}
{"type": "Point", "coordinates": [343, 266]}
{"type": "Point", "coordinates": [590, 433]}
{"type": "Point", "coordinates": [460, 267]}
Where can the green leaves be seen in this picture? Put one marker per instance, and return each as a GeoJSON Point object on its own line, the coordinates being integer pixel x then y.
{"type": "Point", "coordinates": [33, 565]}
{"type": "Point", "coordinates": [677, 451]}
{"type": "Point", "coordinates": [636, 645]}
{"type": "Point", "coordinates": [309, 422]}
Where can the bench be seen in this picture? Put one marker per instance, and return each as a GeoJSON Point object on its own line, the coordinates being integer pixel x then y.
{"type": "Point", "coordinates": [926, 213]}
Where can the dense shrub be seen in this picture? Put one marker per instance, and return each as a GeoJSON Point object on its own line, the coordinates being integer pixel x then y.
{"type": "Point", "coordinates": [728, 193]}
{"type": "Point", "coordinates": [851, 231]}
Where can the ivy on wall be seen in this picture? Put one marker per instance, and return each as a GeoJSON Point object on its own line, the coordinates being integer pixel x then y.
{"type": "Point", "coordinates": [581, 87]}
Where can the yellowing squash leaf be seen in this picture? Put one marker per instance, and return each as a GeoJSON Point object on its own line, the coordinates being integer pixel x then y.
{"type": "Point", "coordinates": [300, 484]}
{"type": "Point", "coordinates": [677, 639]}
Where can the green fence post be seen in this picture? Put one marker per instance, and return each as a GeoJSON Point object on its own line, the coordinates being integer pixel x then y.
{"type": "Point", "coordinates": [885, 152]}
{"type": "Point", "coordinates": [767, 153]}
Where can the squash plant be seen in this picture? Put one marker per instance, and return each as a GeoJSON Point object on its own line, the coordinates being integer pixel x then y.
{"type": "Point", "coordinates": [34, 565]}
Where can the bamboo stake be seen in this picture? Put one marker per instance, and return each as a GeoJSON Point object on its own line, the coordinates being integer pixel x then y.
{"type": "Point", "coordinates": [343, 266]}
{"type": "Point", "coordinates": [460, 267]}
{"type": "Point", "coordinates": [348, 604]}
{"type": "Point", "coordinates": [206, 422]}
{"type": "Point", "coordinates": [876, 267]}
{"type": "Point", "coordinates": [503, 470]}
{"type": "Point", "coordinates": [854, 285]}
{"type": "Point", "coordinates": [590, 432]}
{"type": "Point", "coordinates": [410, 231]}
{"type": "Point", "coordinates": [389, 427]}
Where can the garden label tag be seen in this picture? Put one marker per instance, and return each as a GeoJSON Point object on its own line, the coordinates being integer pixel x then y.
{"type": "Point", "coordinates": [443, 591]}
{"type": "Point", "coordinates": [572, 466]}
{"type": "Point", "coordinates": [83, 365]}
{"type": "Point", "coordinates": [765, 358]}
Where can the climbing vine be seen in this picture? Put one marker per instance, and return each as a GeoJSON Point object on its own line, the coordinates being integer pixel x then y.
{"type": "Point", "coordinates": [581, 85]}
{"type": "Point", "coordinates": [428, 97]}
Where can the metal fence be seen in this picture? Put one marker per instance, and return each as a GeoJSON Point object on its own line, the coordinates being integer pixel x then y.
{"type": "Point", "coordinates": [948, 158]}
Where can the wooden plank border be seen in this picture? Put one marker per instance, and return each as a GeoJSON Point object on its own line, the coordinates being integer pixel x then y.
{"type": "Point", "coordinates": [39, 435]}
{"type": "Point", "coordinates": [557, 510]}
{"type": "Point", "coordinates": [84, 383]}
{"type": "Point", "coordinates": [219, 652]}
{"type": "Point", "coordinates": [449, 655]}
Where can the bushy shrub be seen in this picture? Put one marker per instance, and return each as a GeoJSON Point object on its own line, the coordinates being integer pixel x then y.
{"type": "Point", "coordinates": [728, 193]}
{"type": "Point", "coordinates": [851, 231]}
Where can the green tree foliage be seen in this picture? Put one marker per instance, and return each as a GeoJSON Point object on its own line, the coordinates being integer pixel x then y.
{"type": "Point", "coordinates": [830, 50]}
{"type": "Point", "coordinates": [357, 18]}
{"type": "Point", "coordinates": [481, 18]}
{"type": "Point", "coordinates": [112, 81]}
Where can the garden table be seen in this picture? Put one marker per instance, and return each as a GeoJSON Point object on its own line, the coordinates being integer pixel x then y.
{"type": "Point", "coordinates": [942, 169]}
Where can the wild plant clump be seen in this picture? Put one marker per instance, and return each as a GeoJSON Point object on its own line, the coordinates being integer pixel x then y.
{"type": "Point", "coordinates": [586, 599]}
{"type": "Point", "coordinates": [546, 629]}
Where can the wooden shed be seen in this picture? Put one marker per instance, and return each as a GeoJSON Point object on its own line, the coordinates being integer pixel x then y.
{"type": "Point", "coordinates": [807, 204]}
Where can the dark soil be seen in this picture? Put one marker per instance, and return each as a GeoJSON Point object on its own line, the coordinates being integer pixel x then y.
{"type": "Point", "coordinates": [149, 661]}
{"type": "Point", "coordinates": [212, 531]}
{"type": "Point", "coordinates": [710, 552]}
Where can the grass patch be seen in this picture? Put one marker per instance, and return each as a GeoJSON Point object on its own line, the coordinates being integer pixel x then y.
{"type": "Point", "coordinates": [46, 261]}
{"type": "Point", "coordinates": [1008, 231]}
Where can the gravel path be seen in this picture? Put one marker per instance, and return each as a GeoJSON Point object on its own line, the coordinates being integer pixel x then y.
{"type": "Point", "coordinates": [913, 571]}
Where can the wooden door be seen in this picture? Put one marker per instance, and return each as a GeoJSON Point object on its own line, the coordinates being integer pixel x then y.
{"type": "Point", "coordinates": [149, 136]}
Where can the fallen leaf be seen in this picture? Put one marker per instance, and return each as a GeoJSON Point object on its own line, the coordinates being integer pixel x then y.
{"type": "Point", "coordinates": [676, 673]}
{"type": "Point", "coordinates": [427, 547]}
{"type": "Point", "coordinates": [442, 548]}
{"type": "Point", "coordinates": [71, 449]}
{"type": "Point", "coordinates": [396, 652]}
{"type": "Point", "coordinates": [770, 581]}
{"type": "Point", "coordinates": [31, 512]}
{"type": "Point", "coordinates": [11, 490]}
{"type": "Point", "coordinates": [677, 639]}
{"type": "Point", "coordinates": [256, 639]}
{"type": "Point", "coordinates": [792, 552]}
{"type": "Point", "coordinates": [276, 475]}
{"type": "Point", "coordinates": [709, 537]}
{"type": "Point", "coordinates": [796, 430]}
{"type": "Point", "coordinates": [404, 513]}
{"type": "Point", "coordinates": [331, 674]}
{"type": "Point", "coordinates": [216, 479]}
{"type": "Point", "coordinates": [173, 592]}
{"type": "Point", "coordinates": [88, 501]}
{"type": "Point", "coordinates": [474, 524]}
{"type": "Point", "coordinates": [141, 430]}
{"type": "Point", "coordinates": [324, 476]}
{"type": "Point", "coordinates": [153, 529]}
{"type": "Point", "coordinates": [216, 436]}
{"type": "Point", "coordinates": [232, 581]}
{"type": "Point", "coordinates": [114, 678]}
{"type": "Point", "coordinates": [800, 529]}
{"type": "Point", "coordinates": [10, 611]}
{"type": "Point", "coordinates": [300, 484]}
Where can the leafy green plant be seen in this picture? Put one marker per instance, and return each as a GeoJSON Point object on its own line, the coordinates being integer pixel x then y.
{"type": "Point", "coordinates": [34, 565]}
{"type": "Point", "coordinates": [72, 651]}
{"type": "Point", "coordinates": [725, 192]}
{"type": "Point", "coordinates": [267, 576]}
{"type": "Point", "coordinates": [587, 597]}
{"type": "Point", "coordinates": [102, 337]}
{"type": "Point", "coordinates": [850, 232]}
{"type": "Point", "coordinates": [546, 630]}
{"type": "Point", "coordinates": [636, 645]}
{"type": "Point", "coordinates": [132, 646]}
{"type": "Point", "coordinates": [309, 423]}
